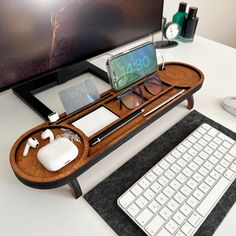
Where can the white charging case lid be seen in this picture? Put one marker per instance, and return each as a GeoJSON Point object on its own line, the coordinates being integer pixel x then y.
{"type": "Point", "coordinates": [57, 154]}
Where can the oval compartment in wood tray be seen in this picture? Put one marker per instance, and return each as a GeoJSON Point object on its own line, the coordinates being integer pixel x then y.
{"type": "Point", "coordinates": [180, 74]}
{"type": "Point", "coordinates": [30, 169]}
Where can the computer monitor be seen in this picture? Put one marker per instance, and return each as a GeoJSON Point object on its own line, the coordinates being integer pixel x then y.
{"type": "Point", "coordinates": [44, 36]}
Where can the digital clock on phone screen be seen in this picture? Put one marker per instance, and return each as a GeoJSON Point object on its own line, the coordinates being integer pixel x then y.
{"type": "Point", "coordinates": [129, 67]}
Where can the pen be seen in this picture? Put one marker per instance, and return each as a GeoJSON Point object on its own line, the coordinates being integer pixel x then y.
{"type": "Point", "coordinates": [163, 103]}
{"type": "Point", "coordinates": [114, 128]}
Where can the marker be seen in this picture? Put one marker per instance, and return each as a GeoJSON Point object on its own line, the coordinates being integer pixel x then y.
{"type": "Point", "coordinates": [114, 128]}
{"type": "Point", "coordinates": [165, 102]}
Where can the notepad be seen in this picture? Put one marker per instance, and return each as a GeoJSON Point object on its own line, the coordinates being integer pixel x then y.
{"type": "Point", "coordinates": [95, 121]}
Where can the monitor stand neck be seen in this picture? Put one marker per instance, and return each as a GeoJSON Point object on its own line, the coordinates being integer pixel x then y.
{"type": "Point", "coordinates": [27, 90]}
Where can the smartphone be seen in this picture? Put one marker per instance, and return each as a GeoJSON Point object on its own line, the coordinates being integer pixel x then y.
{"type": "Point", "coordinates": [127, 68]}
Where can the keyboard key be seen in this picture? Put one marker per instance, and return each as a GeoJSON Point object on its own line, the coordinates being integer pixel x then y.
{"type": "Point", "coordinates": [163, 180]}
{"type": "Point", "coordinates": [198, 147]}
{"type": "Point", "coordinates": [217, 140]}
{"type": "Point", "coordinates": [229, 158]}
{"type": "Point", "coordinates": [201, 130]}
{"type": "Point", "coordinates": [207, 137]}
{"type": "Point", "coordinates": [224, 137]}
{"type": "Point", "coordinates": [192, 140]}
{"type": "Point", "coordinates": [213, 160]}
{"type": "Point", "coordinates": [181, 178]}
{"type": "Point", "coordinates": [186, 209]}
{"type": "Point", "coordinates": [213, 196]}
{"type": "Point", "coordinates": [176, 184]}
{"type": "Point", "coordinates": [213, 132]}
{"type": "Point", "coordinates": [164, 164]}
{"type": "Point", "coordinates": [192, 183]}
{"type": "Point", "coordinates": [206, 126]}
{"type": "Point", "coordinates": [141, 202]}
{"type": "Point", "coordinates": [186, 190]}
{"type": "Point", "coordinates": [222, 149]}
{"type": "Point", "coordinates": [126, 199]}
{"type": "Point", "coordinates": [165, 213]}
{"type": "Point", "coordinates": [233, 167]}
{"type": "Point", "coordinates": [180, 234]}
{"type": "Point", "coordinates": [144, 217]}
{"type": "Point", "coordinates": [179, 197]}
{"type": "Point", "coordinates": [203, 155]}
{"type": "Point", "coordinates": [198, 160]}
{"type": "Point", "coordinates": [233, 151]}
{"type": "Point", "coordinates": [208, 150]}
{"type": "Point", "coordinates": [136, 190]}
{"type": "Point", "coordinates": [192, 152]}
{"type": "Point", "coordinates": [154, 206]}
{"type": "Point", "coordinates": [203, 171]}
{"type": "Point", "coordinates": [156, 187]}
{"type": "Point", "coordinates": [215, 175]}
{"type": "Point", "coordinates": [187, 157]}
{"type": "Point", "coordinates": [149, 194]}
{"type": "Point", "coordinates": [204, 187]}
{"type": "Point", "coordinates": [154, 225]}
{"type": "Point", "coordinates": [218, 154]}
{"type": "Point", "coordinates": [157, 170]}
{"type": "Point", "coordinates": [164, 232]}
{"type": "Point", "coordinates": [187, 144]}
{"type": "Point", "coordinates": [195, 219]}
{"type": "Point", "coordinates": [220, 168]}
{"type": "Point", "coordinates": [173, 205]}
{"type": "Point", "coordinates": [197, 177]}
{"type": "Point", "coordinates": [133, 209]}
{"type": "Point", "coordinates": [171, 226]}
{"type": "Point", "coordinates": [181, 162]}
{"type": "Point", "coordinates": [168, 191]}
{"type": "Point", "coordinates": [179, 217]}
{"type": "Point", "coordinates": [193, 166]}
{"type": "Point", "coordinates": [192, 201]}
{"type": "Point", "coordinates": [229, 174]}
{"type": "Point", "coordinates": [151, 176]}
{"type": "Point", "coordinates": [161, 198]}
{"type": "Point", "coordinates": [213, 145]}
{"type": "Point", "coordinates": [208, 165]}
{"type": "Point", "coordinates": [226, 144]}
{"type": "Point", "coordinates": [202, 142]}
{"type": "Point", "coordinates": [187, 172]}
{"type": "Point", "coordinates": [169, 174]}
{"type": "Point", "coordinates": [197, 135]}
{"type": "Point", "coordinates": [144, 183]}
{"type": "Point", "coordinates": [224, 163]}
{"type": "Point", "coordinates": [210, 181]}
{"type": "Point", "coordinates": [176, 168]}
{"type": "Point", "coordinates": [170, 159]}
{"type": "Point", "coordinates": [187, 229]}
{"type": "Point", "coordinates": [181, 148]}
{"type": "Point", "coordinates": [176, 154]}
{"type": "Point", "coordinates": [198, 194]}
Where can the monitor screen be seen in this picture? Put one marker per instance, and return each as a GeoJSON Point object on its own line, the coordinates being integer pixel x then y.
{"type": "Point", "coordinates": [39, 36]}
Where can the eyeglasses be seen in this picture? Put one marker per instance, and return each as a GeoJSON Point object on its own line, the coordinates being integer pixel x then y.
{"type": "Point", "coordinates": [133, 97]}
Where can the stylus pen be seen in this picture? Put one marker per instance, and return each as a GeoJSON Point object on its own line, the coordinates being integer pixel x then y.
{"type": "Point", "coordinates": [163, 103]}
{"type": "Point", "coordinates": [114, 128]}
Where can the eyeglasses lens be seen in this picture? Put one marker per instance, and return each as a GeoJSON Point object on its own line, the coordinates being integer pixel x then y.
{"type": "Point", "coordinates": [154, 85]}
{"type": "Point", "coordinates": [132, 98]}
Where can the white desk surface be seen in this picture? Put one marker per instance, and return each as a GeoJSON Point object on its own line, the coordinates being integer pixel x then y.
{"type": "Point", "coordinates": [26, 211]}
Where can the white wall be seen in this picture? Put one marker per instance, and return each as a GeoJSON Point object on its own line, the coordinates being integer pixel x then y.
{"type": "Point", "coordinates": [217, 18]}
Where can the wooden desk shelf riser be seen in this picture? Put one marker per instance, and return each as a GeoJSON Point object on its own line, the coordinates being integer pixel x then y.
{"type": "Point", "coordinates": [28, 170]}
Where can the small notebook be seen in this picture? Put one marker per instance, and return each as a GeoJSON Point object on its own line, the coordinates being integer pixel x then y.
{"type": "Point", "coordinates": [95, 121]}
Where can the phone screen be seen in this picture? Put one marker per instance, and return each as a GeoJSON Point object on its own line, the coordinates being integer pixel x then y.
{"type": "Point", "coordinates": [133, 66]}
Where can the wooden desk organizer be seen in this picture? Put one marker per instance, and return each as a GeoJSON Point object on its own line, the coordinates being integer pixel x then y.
{"type": "Point", "coordinates": [28, 170]}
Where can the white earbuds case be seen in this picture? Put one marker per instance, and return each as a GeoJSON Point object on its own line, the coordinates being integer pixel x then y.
{"type": "Point", "coordinates": [57, 154]}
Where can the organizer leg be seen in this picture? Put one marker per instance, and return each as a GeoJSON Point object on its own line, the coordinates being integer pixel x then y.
{"type": "Point", "coordinates": [75, 188]}
{"type": "Point", "coordinates": [190, 102]}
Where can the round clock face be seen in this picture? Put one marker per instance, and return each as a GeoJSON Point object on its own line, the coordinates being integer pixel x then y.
{"type": "Point", "coordinates": [171, 30]}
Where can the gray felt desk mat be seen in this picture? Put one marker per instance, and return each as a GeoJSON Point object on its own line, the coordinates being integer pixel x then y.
{"type": "Point", "coordinates": [103, 197]}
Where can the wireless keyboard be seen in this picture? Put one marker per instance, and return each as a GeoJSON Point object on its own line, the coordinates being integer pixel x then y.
{"type": "Point", "coordinates": [178, 193]}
